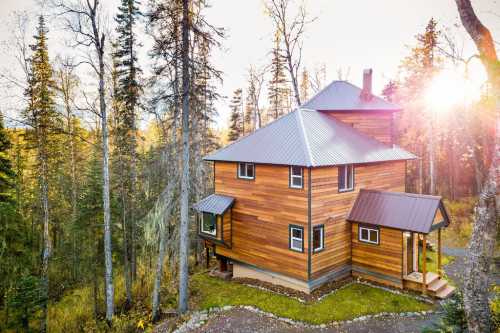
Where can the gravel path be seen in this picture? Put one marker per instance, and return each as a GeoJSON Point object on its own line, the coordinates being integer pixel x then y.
{"type": "Point", "coordinates": [238, 320]}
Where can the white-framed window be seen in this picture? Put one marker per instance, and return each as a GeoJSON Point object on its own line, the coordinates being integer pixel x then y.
{"type": "Point", "coordinates": [369, 235]}
{"type": "Point", "coordinates": [296, 177]}
{"type": "Point", "coordinates": [246, 170]}
{"type": "Point", "coordinates": [296, 242]}
{"type": "Point", "coordinates": [346, 178]}
{"type": "Point", "coordinates": [209, 224]}
{"type": "Point", "coordinates": [318, 238]}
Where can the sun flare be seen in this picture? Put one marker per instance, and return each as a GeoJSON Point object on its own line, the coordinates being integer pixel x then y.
{"type": "Point", "coordinates": [449, 89]}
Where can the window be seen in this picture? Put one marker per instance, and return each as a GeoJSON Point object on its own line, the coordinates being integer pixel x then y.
{"type": "Point", "coordinates": [346, 178]}
{"type": "Point", "coordinates": [246, 170]}
{"type": "Point", "coordinates": [318, 238]}
{"type": "Point", "coordinates": [208, 224]}
{"type": "Point", "coordinates": [369, 235]}
{"type": "Point", "coordinates": [296, 177]}
{"type": "Point", "coordinates": [296, 238]}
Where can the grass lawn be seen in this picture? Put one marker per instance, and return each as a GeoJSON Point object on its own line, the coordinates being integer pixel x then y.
{"type": "Point", "coordinates": [347, 303]}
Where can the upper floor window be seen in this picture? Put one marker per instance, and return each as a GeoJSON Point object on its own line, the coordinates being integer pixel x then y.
{"type": "Point", "coordinates": [296, 241]}
{"type": "Point", "coordinates": [346, 178]}
{"type": "Point", "coordinates": [246, 170]}
{"type": "Point", "coordinates": [296, 177]}
{"type": "Point", "coordinates": [208, 224]}
{"type": "Point", "coordinates": [369, 235]}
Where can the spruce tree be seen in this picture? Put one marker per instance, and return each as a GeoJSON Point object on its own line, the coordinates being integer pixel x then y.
{"type": "Point", "coordinates": [277, 89]}
{"type": "Point", "coordinates": [236, 120]}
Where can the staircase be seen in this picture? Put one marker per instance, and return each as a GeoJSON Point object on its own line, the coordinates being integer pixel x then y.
{"type": "Point", "coordinates": [436, 286]}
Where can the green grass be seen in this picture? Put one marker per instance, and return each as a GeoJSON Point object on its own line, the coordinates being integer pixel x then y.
{"type": "Point", "coordinates": [346, 303]}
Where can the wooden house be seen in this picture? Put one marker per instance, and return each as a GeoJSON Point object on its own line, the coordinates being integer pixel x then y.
{"type": "Point", "coordinates": [318, 195]}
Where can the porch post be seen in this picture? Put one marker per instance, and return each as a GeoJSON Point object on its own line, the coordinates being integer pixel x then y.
{"type": "Point", "coordinates": [424, 264]}
{"type": "Point", "coordinates": [439, 253]}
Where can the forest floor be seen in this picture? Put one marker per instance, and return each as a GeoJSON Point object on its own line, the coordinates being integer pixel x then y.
{"type": "Point", "coordinates": [245, 320]}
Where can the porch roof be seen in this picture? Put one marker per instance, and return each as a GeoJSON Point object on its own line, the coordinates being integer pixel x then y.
{"type": "Point", "coordinates": [405, 211]}
{"type": "Point", "coordinates": [215, 204]}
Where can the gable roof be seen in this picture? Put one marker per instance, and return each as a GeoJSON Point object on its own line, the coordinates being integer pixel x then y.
{"type": "Point", "coordinates": [344, 96]}
{"type": "Point", "coordinates": [405, 211]}
{"type": "Point", "coordinates": [308, 138]}
{"type": "Point", "coordinates": [215, 204]}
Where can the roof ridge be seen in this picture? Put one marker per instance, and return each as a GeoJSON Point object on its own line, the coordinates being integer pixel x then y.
{"type": "Point", "coordinates": [404, 194]}
{"type": "Point", "coordinates": [318, 93]}
{"type": "Point", "coordinates": [304, 135]}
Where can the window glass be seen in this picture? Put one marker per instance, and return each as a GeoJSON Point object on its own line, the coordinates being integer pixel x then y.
{"type": "Point", "coordinates": [296, 233]}
{"type": "Point", "coordinates": [364, 234]}
{"type": "Point", "coordinates": [369, 235]}
{"type": "Point", "coordinates": [296, 177]}
{"type": "Point", "coordinates": [246, 170]}
{"type": "Point", "coordinates": [318, 238]}
{"type": "Point", "coordinates": [373, 236]}
{"type": "Point", "coordinates": [243, 170]}
{"type": "Point", "coordinates": [346, 177]}
{"type": "Point", "coordinates": [296, 239]}
{"type": "Point", "coordinates": [250, 172]}
{"type": "Point", "coordinates": [208, 224]}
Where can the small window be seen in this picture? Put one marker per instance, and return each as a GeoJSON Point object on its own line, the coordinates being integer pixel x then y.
{"type": "Point", "coordinates": [369, 235]}
{"type": "Point", "coordinates": [296, 238]}
{"type": "Point", "coordinates": [296, 177]}
{"type": "Point", "coordinates": [318, 238]}
{"type": "Point", "coordinates": [346, 178]}
{"type": "Point", "coordinates": [246, 170]}
{"type": "Point", "coordinates": [208, 224]}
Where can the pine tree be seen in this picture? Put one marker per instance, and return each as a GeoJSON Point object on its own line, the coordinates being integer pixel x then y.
{"type": "Point", "coordinates": [7, 174]}
{"type": "Point", "coordinates": [236, 120]}
{"type": "Point", "coordinates": [278, 87]}
{"type": "Point", "coordinates": [43, 118]}
{"type": "Point", "coordinates": [304, 86]}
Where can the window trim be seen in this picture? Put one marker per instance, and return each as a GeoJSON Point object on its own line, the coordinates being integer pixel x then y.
{"type": "Point", "coordinates": [369, 229]}
{"type": "Point", "coordinates": [246, 164]}
{"type": "Point", "coordinates": [290, 235]}
{"type": "Point", "coordinates": [201, 224]}
{"type": "Point", "coordinates": [322, 228]}
{"type": "Point", "coordinates": [347, 189]}
{"type": "Point", "coordinates": [291, 176]}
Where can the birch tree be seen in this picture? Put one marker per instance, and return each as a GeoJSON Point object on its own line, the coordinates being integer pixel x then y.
{"type": "Point", "coordinates": [482, 243]}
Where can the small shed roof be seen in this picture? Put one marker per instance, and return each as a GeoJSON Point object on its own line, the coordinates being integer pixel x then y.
{"type": "Point", "coordinates": [308, 138]}
{"type": "Point", "coordinates": [215, 204]}
{"type": "Point", "coordinates": [344, 96]}
{"type": "Point", "coordinates": [405, 211]}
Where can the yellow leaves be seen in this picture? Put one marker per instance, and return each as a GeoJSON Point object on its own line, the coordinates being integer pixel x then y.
{"type": "Point", "coordinates": [140, 324]}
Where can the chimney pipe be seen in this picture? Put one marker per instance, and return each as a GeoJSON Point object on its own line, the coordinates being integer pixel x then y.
{"type": "Point", "coordinates": [366, 93]}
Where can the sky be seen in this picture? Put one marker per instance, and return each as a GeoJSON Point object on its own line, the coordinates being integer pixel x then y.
{"type": "Point", "coordinates": [346, 35]}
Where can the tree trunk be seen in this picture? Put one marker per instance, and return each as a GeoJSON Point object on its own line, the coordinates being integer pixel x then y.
{"type": "Point", "coordinates": [482, 243]}
{"type": "Point", "coordinates": [46, 236]}
{"type": "Point", "coordinates": [184, 204]}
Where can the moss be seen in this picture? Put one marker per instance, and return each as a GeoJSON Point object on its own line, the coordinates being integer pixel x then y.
{"type": "Point", "coordinates": [352, 301]}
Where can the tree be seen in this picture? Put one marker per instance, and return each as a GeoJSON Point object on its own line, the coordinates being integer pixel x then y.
{"type": "Point", "coordinates": [255, 85]}
{"type": "Point", "coordinates": [482, 243]}
{"type": "Point", "coordinates": [44, 120]}
{"type": "Point", "coordinates": [236, 128]}
{"type": "Point", "coordinates": [83, 18]}
{"type": "Point", "coordinates": [277, 88]}
{"type": "Point", "coordinates": [291, 31]}
{"type": "Point", "coordinates": [304, 85]}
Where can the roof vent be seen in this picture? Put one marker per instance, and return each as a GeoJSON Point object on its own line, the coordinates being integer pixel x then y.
{"type": "Point", "coordinates": [366, 93]}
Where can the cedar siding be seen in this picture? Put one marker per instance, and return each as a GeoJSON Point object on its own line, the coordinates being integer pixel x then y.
{"type": "Point", "coordinates": [377, 124]}
{"type": "Point", "coordinates": [263, 210]}
{"type": "Point", "coordinates": [329, 207]}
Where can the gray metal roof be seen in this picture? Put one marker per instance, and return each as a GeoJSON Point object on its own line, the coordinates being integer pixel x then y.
{"type": "Point", "coordinates": [308, 138]}
{"type": "Point", "coordinates": [405, 211]}
{"type": "Point", "coordinates": [215, 204]}
{"type": "Point", "coordinates": [344, 96]}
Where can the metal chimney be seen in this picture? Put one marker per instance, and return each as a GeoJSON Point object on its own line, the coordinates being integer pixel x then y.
{"type": "Point", "coordinates": [366, 92]}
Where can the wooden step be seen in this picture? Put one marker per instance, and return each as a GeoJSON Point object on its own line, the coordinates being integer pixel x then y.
{"type": "Point", "coordinates": [437, 285]}
{"type": "Point", "coordinates": [431, 277]}
{"type": "Point", "coordinates": [446, 292]}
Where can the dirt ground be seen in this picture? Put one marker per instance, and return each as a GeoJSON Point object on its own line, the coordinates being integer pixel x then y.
{"type": "Point", "coordinates": [242, 321]}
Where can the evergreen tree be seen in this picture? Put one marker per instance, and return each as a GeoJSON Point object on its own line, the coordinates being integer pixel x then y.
{"type": "Point", "coordinates": [236, 120]}
{"type": "Point", "coordinates": [7, 174]}
{"type": "Point", "coordinates": [278, 87]}
{"type": "Point", "coordinates": [304, 86]}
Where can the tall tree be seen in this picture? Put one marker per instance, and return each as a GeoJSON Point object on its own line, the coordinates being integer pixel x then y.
{"type": "Point", "coordinates": [128, 93]}
{"type": "Point", "coordinates": [44, 120]}
{"type": "Point", "coordinates": [304, 85]}
{"type": "Point", "coordinates": [482, 243]}
{"type": "Point", "coordinates": [84, 19]}
{"type": "Point", "coordinates": [277, 87]}
{"type": "Point", "coordinates": [236, 127]}
{"type": "Point", "coordinates": [291, 30]}
{"type": "Point", "coordinates": [254, 91]}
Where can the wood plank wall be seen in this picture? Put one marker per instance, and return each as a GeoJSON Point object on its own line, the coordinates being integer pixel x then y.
{"type": "Point", "coordinates": [329, 207]}
{"type": "Point", "coordinates": [226, 226]}
{"type": "Point", "coordinates": [375, 124]}
{"type": "Point", "coordinates": [384, 261]}
{"type": "Point", "coordinates": [263, 210]}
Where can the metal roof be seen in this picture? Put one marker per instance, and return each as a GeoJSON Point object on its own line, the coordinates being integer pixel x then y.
{"type": "Point", "coordinates": [344, 96]}
{"type": "Point", "coordinates": [405, 211]}
{"type": "Point", "coordinates": [215, 204]}
{"type": "Point", "coordinates": [308, 138]}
